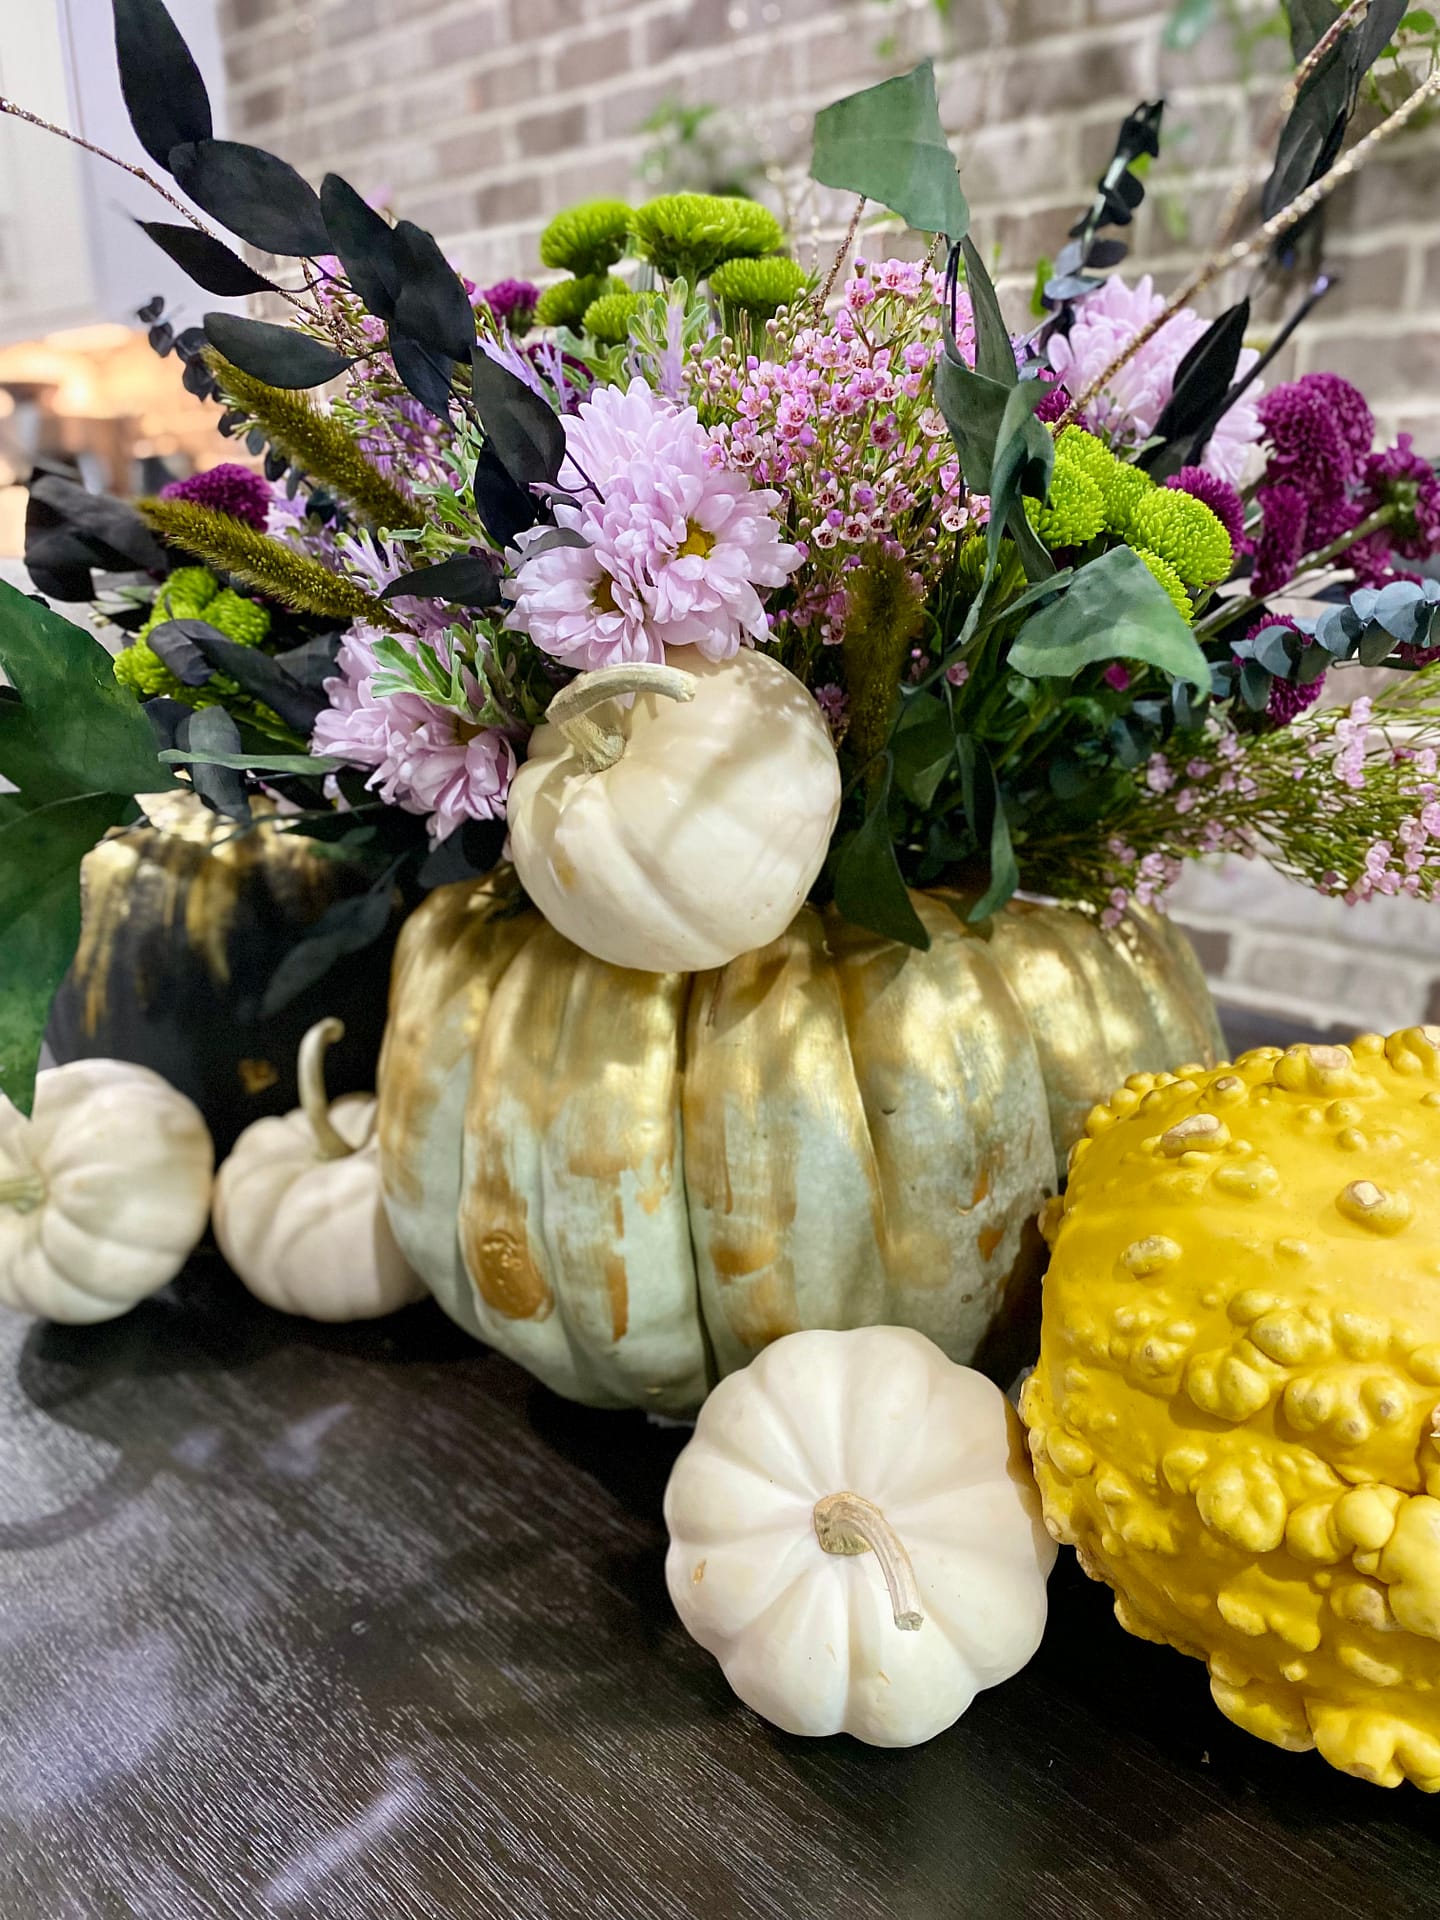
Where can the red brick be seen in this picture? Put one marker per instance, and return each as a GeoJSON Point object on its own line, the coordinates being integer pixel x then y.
{"type": "Point", "coordinates": [588, 62]}
{"type": "Point", "coordinates": [551, 131]}
{"type": "Point", "coordinates": [476, 31]}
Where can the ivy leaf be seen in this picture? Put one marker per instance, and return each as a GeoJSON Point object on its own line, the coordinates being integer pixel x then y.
{"type": "Point", "coordinates": [887, 143]}
{"type": "Point", "coordinates": [280, 356]}
{"type": "Point", "coordinates": [465, 580]}
{"type": "Point", "coordinates": [255, 194]}
{"type": "Point", "coordinates": [208, 261]}
{"type": "Point", "coordinates": [40, 855]}
{"type": "Point", "coordinates": [1113, 609]}
{"type": "Point", "coordinates": [164, 93]}
{"type": "Point", "coordinates": [72, 730]}
{"type": "Point", "coordinates": [869, 889]}
{"type": "Point", "coordinates": [432, 305]}
{"type": "Point", "coordinates": [365, 244]}
{"type": "Point", "coordinates": [523, 428]}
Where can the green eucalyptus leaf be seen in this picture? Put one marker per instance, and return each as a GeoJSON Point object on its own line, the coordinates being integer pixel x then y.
{"type": "Point", "coordinates": [887, 143]}
{"type": "Point", "coordinates": [40, 855]}
{"type": "Point", "coordinates": [923, 747]}
{"type": "Point", "coordinates": [985, 811]}
{"type": "Point", "coordinates": [254, 762]}
{"type": "Point", "coordinates": [973, 407]}
{"type": "Point", "coordinates": [994, 355]}
{"type": "Point", "coordinates": [869, 888]}
{"type": "Point", "coordinates": [1113, 609]}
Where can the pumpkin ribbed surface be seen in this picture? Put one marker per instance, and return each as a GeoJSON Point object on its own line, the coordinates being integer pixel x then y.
{"type": "Point", "coordinates": [1234, 1418]}
{"type": "Point", "coordinates": [632, 1182]}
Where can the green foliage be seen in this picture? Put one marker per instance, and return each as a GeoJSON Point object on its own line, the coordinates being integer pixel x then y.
{"type": "Point", "coordinates": [78, 749]}
{"type": "Point", "coordinates": [1115, 608]}
{"type": "Point", "coordinates": [759, 287]}
{"type": "Point", "coordinates": [318, 443]}
{"type": "Point", "coordinates": [1184, 532]}
{"type": "Point", "coordinates": [565, 304]}
{"type": "Point", "coordinates": [608, 318]}
{"type": "Point", "coordinates": [887, 143]}
{"type": "Point", "coordinates": [257, 561]}
{"type": "Point", "coordinates": [586, 239]}
{"type": "Point", "coordinates": [687, 235]}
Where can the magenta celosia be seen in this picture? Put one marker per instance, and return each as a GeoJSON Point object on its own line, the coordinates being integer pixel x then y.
{"type": "Point", "coordinates": [1222, 499]}
{"type": "Point", "coordinates": [512, 302]}
{"type": "Point", "coordinates": [676, 544]}
{"type": "Point", "coordinates": [1131, 402]}
{"type": "Point", "coordinates": [1399, 478]}
{"type": "Point", "coordinates": [1282, 538]}
{"type": "Point", "coordinates": [1318, 431]}
{"type": "Point", "coordinates": [228, 488]}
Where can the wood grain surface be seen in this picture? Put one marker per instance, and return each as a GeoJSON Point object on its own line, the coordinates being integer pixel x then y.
{"type": "Point", "coordinates": [360, 1623]}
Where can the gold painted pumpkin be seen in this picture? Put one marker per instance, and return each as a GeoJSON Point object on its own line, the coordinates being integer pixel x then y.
{"type": "Point", "coordinates": [184, 920]}
{"type": "Point", "coordinates": [1234, 1417]}
{"type": "Point", "coordinates": [632, 1182]}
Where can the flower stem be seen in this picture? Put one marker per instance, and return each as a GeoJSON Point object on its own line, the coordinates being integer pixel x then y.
{"type": "Point", "coordinates": [330, 1143]}
{"type": "Point", "coordinates": [1231, 610]}
{"type": "Point", "coordinates": [599, 747]}
{"type": "Point", "coordinates": [848, 1523]}
{"type": "Point", "coordinates": [23, 1191]}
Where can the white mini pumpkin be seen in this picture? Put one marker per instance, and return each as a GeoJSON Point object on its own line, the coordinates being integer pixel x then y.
{"type": "Point", "coordinates": [104, 1190]}
{"type": "Point", "coordinates": [688, 827]}
{"type": "Point", "coordinates": [855, 1536]}
{"type": "Point", "coordinates": [298, 1212]}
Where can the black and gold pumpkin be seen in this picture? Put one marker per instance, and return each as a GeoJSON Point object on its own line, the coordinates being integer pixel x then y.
{"type": "Point", "coordinates": [184, 922]}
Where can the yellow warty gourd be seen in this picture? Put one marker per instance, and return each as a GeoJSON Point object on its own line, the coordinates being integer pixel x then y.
{"type": "Point", "coordinates": [1236, 1415]}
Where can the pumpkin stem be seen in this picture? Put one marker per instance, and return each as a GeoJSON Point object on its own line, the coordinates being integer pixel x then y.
{"type": "Point", "coordinates": [330, 1143]}
{"type": "Point", "coordinates": [598, 747]}
{"type": "Point", "coordinates": [24, 1192]}
{"type": "Point", "coordinates": [848, 1523]}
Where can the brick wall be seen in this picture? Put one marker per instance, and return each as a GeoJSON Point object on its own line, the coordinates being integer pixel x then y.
{"type": "Point", "coordinates": [481, 118]}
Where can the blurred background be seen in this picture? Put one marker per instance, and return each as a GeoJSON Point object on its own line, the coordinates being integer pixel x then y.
{"type": "Point", "coordinates": [481, 118]}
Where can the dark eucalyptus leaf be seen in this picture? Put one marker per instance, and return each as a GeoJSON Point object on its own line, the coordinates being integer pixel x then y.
{"type": "Point", "coordinates": [312, 663]}
{"type": "Point", "coordinates": [365, 243]}
{"type": "Point", "coordinates": [174, 644]}
{"type": "Point", "coordinates": [255, 194]}
{"type": "Point", "coordinates": [466, 580]}
{"type": "Point", "coordinates": [1071, 286]}
{"type": "Point", "coordinates": [1200, 394]}
{"type": "Point", "coordinates": [212, 731]}
{"type": "Point", "coordinates": [505, 510]}
{"type": "Point", "coordinates": [472, 850]}
{"type": "Point", "coordinates": [1376, 31]}
{"type": "Point", "coordinates": [69, 531]}
{"type": "Point", "coordinates": [1312, 665]}
{"type": "Point", "coordinates": [522, 427]}
{"type": "Point", "coordinates": [345, 928]}
{"type": "Point", "coordinates": [208, 261]}
{"type": "Point", "coordinates": [279, 356]}
{"type": "Point", "coordinates": [432, 305]}
{"type": "Point", "coordinates": [1338, 629]}
{"type": "Point", "coordinates": [551, 538]}
{"type": "Point", "coordinates": [426, 374]}
{"type": "Point", "coordinates": [1102, 254]}
{"type": "Point", "coordinates": [166, 717]}
{"type": "Point", "coordinates": [258, 675]}
{"type": "Point", "coordinates": [164, 93]}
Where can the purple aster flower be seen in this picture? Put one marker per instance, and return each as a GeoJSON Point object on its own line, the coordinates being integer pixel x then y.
{"type": "Point", "coordinates": [1282, 538]}
{"type": "Point", "coordinates": [512, 302]}
{"type": "Point", "coordinates": [1221, 498]}
{"type": "Point", "coordinates": [1401, 479]}
{"type": "Point", "coordinates": [675, 543]}
{"type": "Point", "coordinates": [228, 488]}
{"type": "Point", "coordinates": [1288, 698]}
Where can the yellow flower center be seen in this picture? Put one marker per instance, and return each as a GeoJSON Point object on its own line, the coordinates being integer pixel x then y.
{"type": "Point", "coordinates": [602, 595]}
{"type": "Point", "coordinates": [697, 540]}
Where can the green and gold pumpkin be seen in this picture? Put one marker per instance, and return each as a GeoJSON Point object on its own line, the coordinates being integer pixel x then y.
{"type": "Point", "coordinates": [632, 1182]}
{"type": "Point", "coordinates": [184, 921]}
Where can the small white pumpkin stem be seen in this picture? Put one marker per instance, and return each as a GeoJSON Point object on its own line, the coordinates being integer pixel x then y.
{"type": "Point", "coordinates": [849, 1523]}
{"type": "Point", "coordinates": [23, 1191]}
{"type": "Point", "coordinates": [599, 747]}
{"type": "Point", "coordinates": [330, 1143]}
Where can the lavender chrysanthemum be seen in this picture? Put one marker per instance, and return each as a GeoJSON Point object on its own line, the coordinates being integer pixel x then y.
{"type": "Point", "coordinates": [676, 545]}
{"type": "Point", "coordinates": [1130, 403]}
{"type": "Point", "coordinates": [1222, 499]}
{"type": "Point", "coordinates": [228, 488]}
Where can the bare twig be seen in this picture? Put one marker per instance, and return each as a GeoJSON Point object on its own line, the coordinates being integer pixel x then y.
{"type": "Point", "coordinates": [17, 112]}
{"type": "Point", "coordinates": [840, 258]}
{"type": "Point", "coordinates": [1280, 223]}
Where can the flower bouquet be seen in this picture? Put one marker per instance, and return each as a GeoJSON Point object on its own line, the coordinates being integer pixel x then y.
{"type": "Point", "coordinates": [737, 656]}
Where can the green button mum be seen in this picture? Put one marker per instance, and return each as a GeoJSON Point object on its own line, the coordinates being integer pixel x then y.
{"type": "Point", "coordinates": [566, 303]}
{"type": "Point", "coordinates": [586, 239]}
{"type": "Point", "coordinates": [759, 287]}
{"type": "Point", "coordinates": [688, 235]}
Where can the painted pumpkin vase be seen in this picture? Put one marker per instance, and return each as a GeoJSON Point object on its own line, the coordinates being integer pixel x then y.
{"type": "Point", "coordinates": [632, 1182]}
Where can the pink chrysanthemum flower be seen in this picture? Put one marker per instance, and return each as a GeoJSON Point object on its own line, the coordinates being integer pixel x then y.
{"type": "Point", "coordinates": [1129, 405]}
{"type": "Point", "coordinates": [422, 758]}
{"type": "Point", "coordinates": [676, 544]}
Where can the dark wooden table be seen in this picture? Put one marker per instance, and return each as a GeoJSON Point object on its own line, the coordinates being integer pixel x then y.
{"type": "Point", "coordinates": [364, 1624]}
